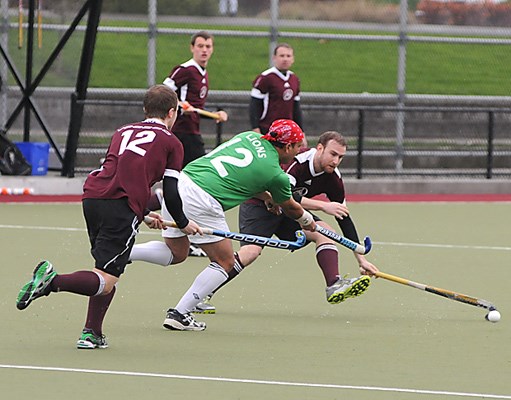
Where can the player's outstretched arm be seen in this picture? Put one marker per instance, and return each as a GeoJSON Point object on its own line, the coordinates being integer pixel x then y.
{"type": "Point", "coordinates": [333, 208]}
{"type": "Point", "coordinates": [295, 211]}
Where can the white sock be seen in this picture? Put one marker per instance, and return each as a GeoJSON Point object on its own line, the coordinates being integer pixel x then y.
{"type": "Point", "coordinates": [155, 252]}
{"type": "Point", "coordinates": [205, 283]}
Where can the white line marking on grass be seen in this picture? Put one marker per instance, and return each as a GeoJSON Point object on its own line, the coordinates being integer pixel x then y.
{"type": "Point", "coordinates": [446, 246]}
{"type": "Point", "coordinates": [256, 381]}
{"type": "Point", "coordinates": [404, 244]}
{"type": "Point", "coordinates": [59, 228]}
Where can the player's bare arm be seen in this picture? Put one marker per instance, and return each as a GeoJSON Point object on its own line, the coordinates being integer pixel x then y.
{"type": "Point", "coordinates": [156, 221]}
{"type": "Point", "coordinates": [270, 204]}
{"type": "Point", "coordinates": [366, 267]}
{"type": "Point", "coordinates": [295, 211]}
{"type": "Point", "coordinates": [333, 208]}
{"type": "Point", "coordinates": [192, 228]}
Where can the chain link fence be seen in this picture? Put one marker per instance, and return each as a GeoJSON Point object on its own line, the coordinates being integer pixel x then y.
{"type": "Point", "coordinates": [414, 94]}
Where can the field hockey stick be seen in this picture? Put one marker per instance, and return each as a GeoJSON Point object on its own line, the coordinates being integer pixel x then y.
{"type": "Point", "coordinates": [463, 298]}
{"type": "Point", "coordinates": [20, 24]}
{"type": "Point", "coordinates": [350, 244]}
{"type": "Point", "coordinates": [188, 107]}
{"type": "Point", "coordinates": [242, 237]}
{"type": "Point", "coordinates": [39, 24]}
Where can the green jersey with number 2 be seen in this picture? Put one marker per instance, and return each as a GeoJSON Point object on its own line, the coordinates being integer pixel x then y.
{"type": "Point", "coordinates": [239, 169]}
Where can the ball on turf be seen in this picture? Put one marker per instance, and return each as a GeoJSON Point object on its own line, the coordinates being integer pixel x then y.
{"type": "Point", "coordinates": [493, 316]}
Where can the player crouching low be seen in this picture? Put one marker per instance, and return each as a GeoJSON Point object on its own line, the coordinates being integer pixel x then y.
{"type": "Point", "coordinates": [313, 172]}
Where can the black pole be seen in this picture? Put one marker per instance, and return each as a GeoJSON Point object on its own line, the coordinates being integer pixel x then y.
{"type": "Point", "coordinates": [82, 83]}
{"type": "Point", "coordinates": [219, 131]}
{"type": "Point", "coordinates": [489, 158]}
{"type": "Point", "coordinates": [360, 145]}
{"type": "Point", "coordinates": [28, 70]}
{"type": "Point", "coordinates": [28, 91]}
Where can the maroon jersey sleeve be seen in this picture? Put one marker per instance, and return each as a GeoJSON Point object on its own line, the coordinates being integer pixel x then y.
{"type": "Point", "coordinates": [139, 155]}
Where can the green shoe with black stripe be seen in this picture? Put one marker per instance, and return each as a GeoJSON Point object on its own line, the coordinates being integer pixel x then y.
{"type": "Point", "coordinates": [38, 286]}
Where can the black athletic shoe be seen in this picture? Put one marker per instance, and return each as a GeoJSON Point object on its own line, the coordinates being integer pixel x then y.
{"type": "Point", "coordinates": [176, 321]}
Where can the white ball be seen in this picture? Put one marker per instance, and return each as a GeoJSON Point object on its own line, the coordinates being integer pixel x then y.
{"type": "Point", "coordinates": [493, 316]}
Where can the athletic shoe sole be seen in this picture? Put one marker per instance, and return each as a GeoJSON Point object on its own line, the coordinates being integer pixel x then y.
{"type": "Point", "coordinates": [42, 276]}
{"type": "Point", "coordinates": [174, 325]}
{"type": "Point", "coordinates": [204, 308]}
{"type": "Point", "coordinates": [356, 289]}
{"type": "Point", "coordinates": [210, 311]}
{"type": "Point", "coordinates": [87, 345]}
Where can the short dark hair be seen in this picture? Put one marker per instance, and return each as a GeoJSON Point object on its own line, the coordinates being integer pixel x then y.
{"type": "Point", "coordinates": [327, 136]}
{"type": "Point", "coordinates": [203, 34]}
{"type": "Point", "coordinates": [285, 45]}
{"type": "Point", "coordinates": [158, 100]}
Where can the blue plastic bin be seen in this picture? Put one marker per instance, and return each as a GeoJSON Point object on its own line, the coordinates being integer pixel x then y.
{"type": "Point", "coordinates": [36, 154]}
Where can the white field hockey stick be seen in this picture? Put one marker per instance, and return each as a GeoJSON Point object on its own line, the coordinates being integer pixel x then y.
{"type": "Point", "coordinates": [188, 107]}
{"type": "Point", "coordinates": [241, 237]}
{"type": "Point", "coordinates": [350, 244]}
{"type": "Point", "coordinates": [463, 298]}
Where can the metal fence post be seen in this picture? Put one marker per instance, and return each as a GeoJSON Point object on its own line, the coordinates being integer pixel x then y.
{"type": "Point", "coordinates": [151, 42]}
{"type": "Point", "coordinates": [4, 40]}
{"type": "Point", "coordinates": [28, 70]}
{"type": "Point", "coordinates": [274, 28]}
{"type": "Point", "coordinates": [489, 158]}
{"type": "Point", "coordinates": [401, 83]}
{"type": "Point", "coordinates": [82, 83]}
{"type": "Point", "coordinates": [360, 144]}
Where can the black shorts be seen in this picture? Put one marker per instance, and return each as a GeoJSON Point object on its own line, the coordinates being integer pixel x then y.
{"type": "Point", "coordinates": [112, 227]}
{"type": "Point", "coordinates": [193, 146]}
{"type": "Point", "coordinates": [255, 219]}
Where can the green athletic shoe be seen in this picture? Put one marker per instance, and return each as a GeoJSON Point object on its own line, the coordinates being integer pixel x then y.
{"type": "Point", "coordinates": [38, 286]}
{"type": "Point", "coordinates": [343, 289]}
{"type": "Point", "coordinates": [89, 340]}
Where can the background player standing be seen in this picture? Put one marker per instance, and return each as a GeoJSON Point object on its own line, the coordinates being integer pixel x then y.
{"type": "Point", "coordinates": [190, 81]}
{"type": "Point", "coordinates": [276, 92]}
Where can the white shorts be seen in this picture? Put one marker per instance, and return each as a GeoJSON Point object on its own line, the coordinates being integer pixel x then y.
{"type": "Point", "coordinates": [200, 207]}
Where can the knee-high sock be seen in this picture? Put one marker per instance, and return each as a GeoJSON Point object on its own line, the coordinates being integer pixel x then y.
{"type": "Point", "coordinates": [86, 283]}
{"type": "Point", "coordinates": [327, 258]}
{"type": "Point", "coordinates": [233, 273]}
{"type": "Point", "coordinates": [207, 281]}
{"type": "Point", "coordinates": [155, 252]}
{"type": "Point", "coordinates": [98, 306]}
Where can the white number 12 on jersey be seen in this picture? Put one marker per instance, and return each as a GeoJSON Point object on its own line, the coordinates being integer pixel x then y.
{"type": "Point", "coordinates": [143, 138]}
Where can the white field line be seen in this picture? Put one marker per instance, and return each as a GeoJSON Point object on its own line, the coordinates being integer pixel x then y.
{"type": "Point", "coordinates": [61, 228]}
{"type": "Point", "coordinates": [404, 244]}
{"type": "Point", "coordinates": [256, 381]}
{"type": "Point", "coordinates": [444, 246]}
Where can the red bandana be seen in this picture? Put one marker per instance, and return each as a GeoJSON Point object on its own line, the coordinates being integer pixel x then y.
{"type": "Point", "coordinates": [284, 131]}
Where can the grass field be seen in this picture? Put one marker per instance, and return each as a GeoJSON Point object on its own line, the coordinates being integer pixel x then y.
{"type": "Point", "coordinates": [274, 336]}
{"type": "Point", "coordinates": [120, 61]}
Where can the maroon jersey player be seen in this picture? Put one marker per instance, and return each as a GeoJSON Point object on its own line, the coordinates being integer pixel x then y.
{"type": "Point", "coordinates": [190, 81]}
{"type": "Point", "coordinates": [114, 203]}
{"type": "Point", "coordinates": [276, 92]}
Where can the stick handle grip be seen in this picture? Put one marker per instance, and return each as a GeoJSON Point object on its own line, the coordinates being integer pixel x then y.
{"type": "Point", "coordinates": [172, 224]}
